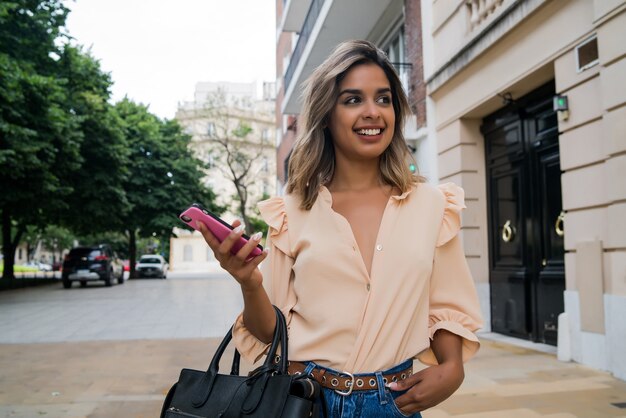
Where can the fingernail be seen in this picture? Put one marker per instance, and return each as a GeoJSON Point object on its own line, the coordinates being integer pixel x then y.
{"type": "Point", "coordinates": [198, 224]}
{"type": "Point", "coordinates": [392, 385]}
{"type": "Point", "coordinates": [257, 236]}
{"type": "Point", "coordinates": [239, 228]}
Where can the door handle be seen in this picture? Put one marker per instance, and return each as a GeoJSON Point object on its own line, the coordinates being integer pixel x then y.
{"type": "Point", "coordinates": [558, 225]}
{"type": "Point", "coordinates": [508, 231]}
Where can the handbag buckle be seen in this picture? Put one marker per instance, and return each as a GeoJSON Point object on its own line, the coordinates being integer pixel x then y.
{"type": "Point", "coordinates": [349, 385]}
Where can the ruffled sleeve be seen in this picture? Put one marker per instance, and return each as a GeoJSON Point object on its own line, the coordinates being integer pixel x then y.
{"type": "Point", "coordinates": [274, 213]}
{"type": "Point", "coordinates": [454, 204]}
{"type": "Point", "coordinates": [277, 277]}
{"type": "Point", "coordinates": [453, 304]}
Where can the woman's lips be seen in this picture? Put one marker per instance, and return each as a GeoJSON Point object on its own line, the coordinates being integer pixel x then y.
{"type": "Point", "coordinates": [369, 134]}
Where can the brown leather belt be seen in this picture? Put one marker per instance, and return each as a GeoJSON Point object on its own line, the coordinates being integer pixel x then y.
{"type": "Point", "coordinates": [345, 383]}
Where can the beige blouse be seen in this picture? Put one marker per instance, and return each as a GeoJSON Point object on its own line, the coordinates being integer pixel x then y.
{"type": "Point", "coordinates": [343, 318]}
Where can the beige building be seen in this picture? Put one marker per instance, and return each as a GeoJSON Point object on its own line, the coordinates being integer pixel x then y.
{"type": "Point", "coordinates": [218, 110]}
{"type": "Point", "coordinates": [527, 101]}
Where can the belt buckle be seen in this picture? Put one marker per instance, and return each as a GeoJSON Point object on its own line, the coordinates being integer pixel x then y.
{"type": "Point", "coordinates": [349, 383]}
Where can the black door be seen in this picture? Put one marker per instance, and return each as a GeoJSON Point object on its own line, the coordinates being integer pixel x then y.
{"type": "Point", "coordinates": [527, 274]}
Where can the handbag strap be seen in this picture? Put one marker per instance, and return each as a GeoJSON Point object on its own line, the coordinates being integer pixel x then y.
{"type": "Point", "coordinates": [234, 369]}
{"type": "Point", "coordinates": [284, 342]}
{"type": "Point", "coordinates": [205, 385]}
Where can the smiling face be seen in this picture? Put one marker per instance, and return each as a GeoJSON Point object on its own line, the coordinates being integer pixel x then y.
{"type": "Point", "coordinates": [363, 119]}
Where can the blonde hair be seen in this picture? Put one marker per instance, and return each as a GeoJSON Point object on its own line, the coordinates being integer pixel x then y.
{"type": "Point", "coordinates": [312, 161]}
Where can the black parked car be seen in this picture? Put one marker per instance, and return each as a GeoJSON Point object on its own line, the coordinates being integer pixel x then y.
{"type": "Point", "coordinates": [84, 264]}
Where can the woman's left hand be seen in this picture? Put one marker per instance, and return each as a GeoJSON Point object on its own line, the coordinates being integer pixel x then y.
{"type": "Point", "coordinates": [429, 387]}
{"type": "Point", "coordinates": [435, 384]}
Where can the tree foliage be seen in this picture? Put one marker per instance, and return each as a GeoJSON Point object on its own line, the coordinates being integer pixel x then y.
{"type": "Point", "coordinates": [98, 186]}
{"type": "Point", "coordinates": [39, 139]}
{"type": "Point", "coordinates": [70, 158]}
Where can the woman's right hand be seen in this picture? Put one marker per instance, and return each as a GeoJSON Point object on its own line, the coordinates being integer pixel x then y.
{"type": "Point", "coordinates": [245, 272]}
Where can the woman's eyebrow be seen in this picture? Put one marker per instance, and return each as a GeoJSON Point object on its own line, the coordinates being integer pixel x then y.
{"type": "Point", "coordinates": [350, 91]}
{"type": "Point", "coordinates": [356, 91]}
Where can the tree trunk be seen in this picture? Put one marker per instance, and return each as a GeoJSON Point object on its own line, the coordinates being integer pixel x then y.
{"type": "Point", "coordinates": [243, 199]}
{"type": "Point", "coordinates": [244, 218]}
{"type": "Point", "coordinates": [132, 250]}
{"type": "Point", "coordinates": [9, 245]}
{"type": "Point", "coordinates": [8, 253]}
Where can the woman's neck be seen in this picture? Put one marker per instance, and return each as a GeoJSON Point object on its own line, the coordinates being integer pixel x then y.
{"type": "Point", "coordinates": [355, 176]}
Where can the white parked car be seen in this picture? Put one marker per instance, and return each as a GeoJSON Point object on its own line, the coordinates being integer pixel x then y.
{"type": "Point", "coordinates": [39, 266]}
{"type": "Point", "coordinates": [152, 265]}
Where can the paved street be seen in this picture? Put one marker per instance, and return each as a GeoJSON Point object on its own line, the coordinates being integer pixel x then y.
{"type": "Point", "coordinates": [183, 306]}
{"type": "Point", "coordinates": [113, 352]}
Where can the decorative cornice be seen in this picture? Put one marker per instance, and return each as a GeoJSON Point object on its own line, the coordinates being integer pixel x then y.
{"type": "Point", "coordinates": [495, 30]}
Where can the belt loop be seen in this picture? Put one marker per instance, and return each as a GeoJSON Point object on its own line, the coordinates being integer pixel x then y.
{"type": "Point", "coordinates": [309, 368]}
{"type": "Point", "coordinates": [380, 383]}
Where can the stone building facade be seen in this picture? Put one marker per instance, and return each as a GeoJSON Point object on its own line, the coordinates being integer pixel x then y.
{"type": "Point", "coordinates": [528, 99]}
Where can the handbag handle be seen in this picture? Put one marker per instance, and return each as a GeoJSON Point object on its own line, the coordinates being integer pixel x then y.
{"type": "Point", "coordinates": [284, 364]}
{"type": "Point", "coordinates": [280, 337]}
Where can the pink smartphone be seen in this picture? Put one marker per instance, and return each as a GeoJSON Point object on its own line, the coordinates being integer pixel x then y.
{"type": "Point", "coordinates": [217, 226]}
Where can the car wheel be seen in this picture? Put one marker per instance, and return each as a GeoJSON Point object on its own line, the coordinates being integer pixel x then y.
{"type": "Point", "coordinates": [83, 283]}
{"type": "Point", "coordinates": [108, 280]}
{"type": "Point", "coordinates": [120, 279]}
{"type": "Point", "coordinates": [66, 282]}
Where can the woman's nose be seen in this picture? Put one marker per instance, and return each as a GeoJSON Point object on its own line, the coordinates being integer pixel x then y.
{"type": "Point", "coordinates": [371, 110]}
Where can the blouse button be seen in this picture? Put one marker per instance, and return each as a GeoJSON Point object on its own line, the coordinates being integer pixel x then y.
{"type": "Point", "coordinates": [379, 247]}
{"type": "Point", "coordinates": [368, 287]}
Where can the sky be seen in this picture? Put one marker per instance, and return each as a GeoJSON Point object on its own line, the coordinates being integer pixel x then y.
{"type": "Point", "coordinates": [157, 50]}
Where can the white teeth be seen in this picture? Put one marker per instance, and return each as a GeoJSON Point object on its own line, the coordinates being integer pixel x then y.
{"type": "Point", "coordinates": [368, 131]}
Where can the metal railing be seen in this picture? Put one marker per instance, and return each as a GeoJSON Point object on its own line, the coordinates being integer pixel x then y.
{"type": "Point", "coordinates": [305, 34]}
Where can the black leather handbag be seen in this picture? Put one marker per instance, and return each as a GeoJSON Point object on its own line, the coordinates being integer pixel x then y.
{"type": "Point", "coordinates": [268, 391]}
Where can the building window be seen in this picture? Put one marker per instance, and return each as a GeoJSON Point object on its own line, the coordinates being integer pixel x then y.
{"type": "Point", "coordinates": [266, 165]}
{"type": "Point", "coordinates": [19, 254]}
{"type": "Point", "coordinates": [266, 187]}
{"type": "Point", "coordinates": [286, 166]}
{"type": "Point", "coordinates": [396, 51]}
{"type": "Point", "coordinates": [587, 54]}
{"type": "Point", "coordinates": [187, 253]}
{"type": "Point", "coordinates": [265, 136]}
{"type": "Point", "coordinates": [210, 130]}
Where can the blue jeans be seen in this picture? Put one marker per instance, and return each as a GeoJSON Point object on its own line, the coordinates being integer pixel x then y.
{"type": "Point", "coordinates": [375, 403]}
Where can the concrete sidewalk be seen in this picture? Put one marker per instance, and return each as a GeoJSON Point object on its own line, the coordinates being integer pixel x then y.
{"type": "Point", "coordinates": [104, 379]}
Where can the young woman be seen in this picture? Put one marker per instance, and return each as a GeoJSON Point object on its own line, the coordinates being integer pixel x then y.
{"type": "Point", "coordinates": [364, 258]}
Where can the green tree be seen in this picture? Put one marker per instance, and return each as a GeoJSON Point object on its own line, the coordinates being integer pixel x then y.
{"type": "Point", "coordinates": [39, 135]}
{"type": "Point", "coordinates": [164, 176]}
{"type": "Point", "coordinates": [98, 199]}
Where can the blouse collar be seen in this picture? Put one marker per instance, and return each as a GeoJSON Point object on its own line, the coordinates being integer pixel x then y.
{"type": "Point", "coordinates": [325, 194]}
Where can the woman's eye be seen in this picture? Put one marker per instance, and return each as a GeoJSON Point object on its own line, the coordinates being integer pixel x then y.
{"type": "Point", "coordinates": [352, 100]}
{"type": "Point", "coordinates": [384, 99]}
